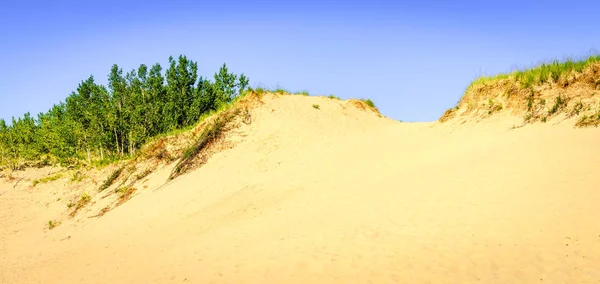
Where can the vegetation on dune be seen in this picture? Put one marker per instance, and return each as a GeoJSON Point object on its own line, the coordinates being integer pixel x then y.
{"type": "Point", "coordinates": [568, 87]}
{"type": "Point", "coordinates": [210, 133]}
{"type": "Point", "coordinates": [99, 123]}
{"type": "Point", "coordinates": [110, 179]}
{"type": "Point", "coordinates": [546, 72]}
{"type": "Point", "coordinates": [369, 102]}
{"type": "Point", "coordinates": [47, 179]}
{"type": "Point", "coordinates": [83, 200]}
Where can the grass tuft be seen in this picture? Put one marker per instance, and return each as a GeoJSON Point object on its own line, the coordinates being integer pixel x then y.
{"type": "Point", "coordinates": [83, 200]}
{"type": "Point", "coordinates": [52, 224]}
{"type": "Point", "coordinates": [110, 179]}
{"type": "Point", "coordinates": [548, 72]}
{"type": "Point", "coordinates": [210, 133]}
{"type": "Point", "coordinates": [559, 104]}
{"type": "Point", "coordinates": [369, 102]}
{"type": "Point", "coordinates": [47, 179]}
{"type": "Point", "coordinates": [315, 106]}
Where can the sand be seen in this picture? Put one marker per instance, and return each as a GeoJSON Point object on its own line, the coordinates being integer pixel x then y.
{"type": "Point", "coordinates": [336, 195]}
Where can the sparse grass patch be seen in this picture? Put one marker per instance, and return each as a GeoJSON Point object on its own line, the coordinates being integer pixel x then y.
{"type": "Point", "coordinates": [589, 120]}
{"type": "Point", "coordinates": [77, 176]}
{"type": "Point", "coordinates": [576, 109]}
{"type": "Point", "coordinates": [110, 179]}
{"type": "Point", "coordinates": [83, 200]}
{"type": "Point", "coordinates": [493, 107]}
{"type": "Point", "coordinates": [369, 102]}
{"type": "Point", "coordinates": [303, 93]}
{"type": "Point", "coordinates": [47, 179]}
{"type": "Point", "coordinates": [549, 72]}
{"type": "Point", "coordinates": [559, 104]}
{"type": "Point", "coordinates": [334, 97]}
{"type": "Point", "coordinates": [280, 91]}
{"type": "Point", "coordinates": [209, 134]}
{"type": "Point", "coordinates": [315, 106]}
{"type": "Point", "coordinates": [125, 193]}
{"type": "Point", "coordinates": [143, 174]}
{"type": "Point", "coordinates": [259, 90]}
{"type": "Point", "coordinates": [52, 224]}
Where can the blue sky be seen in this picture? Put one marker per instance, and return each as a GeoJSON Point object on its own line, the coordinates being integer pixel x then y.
{"type": "Point", "coordinates": [413, 58]}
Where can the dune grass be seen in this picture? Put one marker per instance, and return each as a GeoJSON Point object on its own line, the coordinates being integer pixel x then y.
{"type": "Point", "coordinates": [47, 179]}
{"type": "Point", "coordinates": [369, 102]}
{"type": "Point", "coordinates": [83, 200]}
{"type": "Point", "coordinates": [542, 73]}
{"type": "Point", "coordinates": [110, 179]}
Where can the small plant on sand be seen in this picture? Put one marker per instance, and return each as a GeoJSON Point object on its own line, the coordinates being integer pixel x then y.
{"type": "Point", "coordinates": [52, 224]}
{"type": "Point", "coordinates": [303, 93]}
{"type": "Point", "coordinates": [368, 102]}
{"type": "Point", "coordinates": [83, 200]}
{"type": "Point", "coordinates": [77, 176]}
{"type": "Point", "coordinates": [334, 97]}
{"type": "Point", "coordinates": [143, 174]}
{"type": "Point", "coordinates": [110, 179]}
{"type": "Point", "coordinates": [125, 193]}
{"type": "Point", "coordinates": [558, 105]}
{"type": "Point", "coordinates": [576, 109]}
{"type": "Point", "coordinates": [315, 106]}
{"type": "Point", "coordinates": [589, 120]}
{"type": "Point", "coordinates": [493, 107]}
{"type": "Point", "coordinates": [280, 91]}
{"type": "Point", "coordinates": [47, 179]}
{"type": "Point", "coordinates": [260, 90]}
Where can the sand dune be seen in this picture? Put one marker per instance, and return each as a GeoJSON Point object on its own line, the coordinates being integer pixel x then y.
{"type": "Point", "coordinates": [337, 195]}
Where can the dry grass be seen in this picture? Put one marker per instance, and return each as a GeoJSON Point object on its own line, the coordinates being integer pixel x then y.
{"type": "Point", "coordinates": [84, 199]}
{"type": "Point", "coordinates": [111, 179]}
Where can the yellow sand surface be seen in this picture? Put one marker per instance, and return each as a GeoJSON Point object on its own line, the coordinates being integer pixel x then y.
{"type": "Point", "coordinates": [336, 194]}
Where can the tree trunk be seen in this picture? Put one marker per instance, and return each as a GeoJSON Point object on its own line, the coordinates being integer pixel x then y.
{"type": "Point", "coordinates": [116, 140]}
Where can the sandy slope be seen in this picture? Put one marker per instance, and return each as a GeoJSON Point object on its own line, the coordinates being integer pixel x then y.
{"type": "Point", "coordinates": [340, 195]}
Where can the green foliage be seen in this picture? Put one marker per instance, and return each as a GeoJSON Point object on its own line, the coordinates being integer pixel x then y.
{"type": "Point", "coordinates": [110, 179]}
{"type": "Point", "coordinates": [558, 105]}
{"type": "Point", "coordinates": [77, 176]}
{"type": "Point", "coordinates": [589, 120]}
{"type": "Point", "coordinates": [84, 199]}
{"type": "Point", "coordinates": [369, 102]}
{"type": "Point", "coordinates": [316, 106]}
{"type": "Point", "coordinates": [546, 72]}
{"type": "Point", "coordinates": [333, 97]}
{"type": "Point", "coordinates": [100, 125]}
{"type": "Point", "coordinates": [280, 91]}
{"type": "Point", "coordinates": [47, 179]}
{"type": "Point", "coordinates": [303, 93]}
{"type": "Point", "coordinates": [52, 224]}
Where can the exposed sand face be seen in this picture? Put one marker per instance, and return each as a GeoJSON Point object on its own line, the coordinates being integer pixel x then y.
{"type": "Point", "coordinates": [340, 196]}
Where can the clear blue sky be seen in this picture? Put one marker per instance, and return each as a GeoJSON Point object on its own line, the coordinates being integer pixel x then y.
{"type": "Point", "coordinates": [413, 58]}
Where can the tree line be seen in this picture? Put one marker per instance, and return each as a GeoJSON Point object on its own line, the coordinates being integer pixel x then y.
{"type": "Point", "coordinates": [108, 122]}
